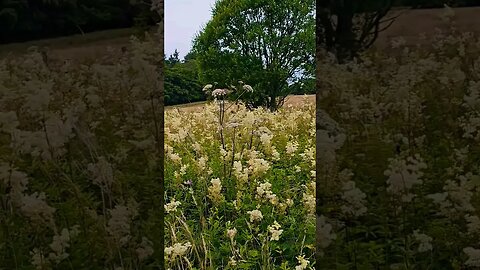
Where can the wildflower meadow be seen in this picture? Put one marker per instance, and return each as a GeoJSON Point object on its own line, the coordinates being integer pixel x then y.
{"type": "Point", "coordinates": [401, 190]}
{"type": "Point", "coordinates": [240, 186]}
{"type": "Point", "coordinates": [79, 162]}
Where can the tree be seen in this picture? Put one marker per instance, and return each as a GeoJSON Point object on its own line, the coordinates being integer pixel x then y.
{"type": "Point", "coordinates": [181, 82]}
{"type": "Point", "coordinates": [173, 59]}
{"type": "Point", "coordinates": [268, 44]}
{"type": "Point", "coordinates": [347, 27]}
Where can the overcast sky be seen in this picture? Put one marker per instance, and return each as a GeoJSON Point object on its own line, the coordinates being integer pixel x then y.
{"type": "Point", "coordinates": [184, 19]}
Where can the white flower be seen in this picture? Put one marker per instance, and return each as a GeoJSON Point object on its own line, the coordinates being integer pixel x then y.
{"type": "Point", "coordinates": [291, 147]}
{"type": "Point", "coordinates": [216, 182]}
{"type": "Point", "coordinates": [145, 249]}
{"type": "Point", "coordinates": [175, 158]}
{"type": "Point", "coordinates": [177, 250]}
{"type": "Point", "coordinates": [473, 224]}
{"type": "Point", "coordinates": [354, 200]}
{"type": "Point", "coordinates": [202, 163]}
{"type": "Point", "coordinates": [275, 154]}
{"type": "Point", "coordinates": [309, 201]}
{"type": "Point", "coordinates": [473, 256]}
{"type": "Point", "coordinates": [264, 188]}
{"type": "Point", "coordinates": [207, 87]}
{"type": "Point", "coordinates": [258, 166]}
{"type": "Point", "coordinates": [303, 263]}
{"type": "Point", "coordinates": [219, 92]}
{"type": "Point", "coordinates": [275, 231]}
{"type": "Point", "coordinates": [215, 189]}
{"type": "Point", "coordinates": [172, 206]}
{"type": "Point", "coordinates": [325, 235]}
{"type": "Point", "coordinates": [248, 88]}
{"type": "Point", "coordinates": [60, 244]}
{"type": "Point", "coordinates": [266, 139]}
{"type": "Point", "coordinates": [38, 259]}
{"type": "Point", "coordinates": [36, 208]}
{"type": "Point", "coordinates": [232, 261]}
{"type": "Point", "coordinates": [424, 240]}
{"type": "Point", "coordinates": [289, 202]}
{"type": "Point", "coordinates": [231, 233]}
{"type": "Point", "coordinates": [255, 215]}
{"type": "Point", "coordinates": [403, 174]}
{"type": "Point", "coordinates": [119, 223]}
{"type": "Point", "coordinates": [233, 124]}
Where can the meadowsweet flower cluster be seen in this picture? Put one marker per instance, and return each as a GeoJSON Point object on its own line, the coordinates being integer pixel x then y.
{"type": "Point", "coordinates": [177, 250]}
{"type": "Point", "coordinates": [275, 231]}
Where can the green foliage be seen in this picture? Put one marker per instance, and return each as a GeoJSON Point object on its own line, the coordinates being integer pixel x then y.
{"type": "Point", "coordinates": [267, 44]}
{"type": "Point", "coordinates": [24, 20]}
{"type": "Point", "coordinates": [181, 81]}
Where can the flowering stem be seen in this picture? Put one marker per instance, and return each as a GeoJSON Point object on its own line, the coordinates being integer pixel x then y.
{"type": "Point", "coordinates": [221, 116]}
{"type": "Point", "coordinates": [237, 99]}
{"type": "Point", "coordinates": [233, 152]}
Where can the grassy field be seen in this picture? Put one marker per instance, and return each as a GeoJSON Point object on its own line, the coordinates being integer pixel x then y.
{"type": "Point", "coordinates": [77, 47]}
{"type": "Point", "coordinates": [293, 100]}
{"type": "Point", "coordinates": [412, 23]}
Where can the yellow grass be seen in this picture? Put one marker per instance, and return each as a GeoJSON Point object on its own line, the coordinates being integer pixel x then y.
{"type": "Point", "coordinates": [294, 100]}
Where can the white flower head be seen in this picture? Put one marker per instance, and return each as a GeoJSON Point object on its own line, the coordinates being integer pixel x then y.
{"type": "Point", "coordinates": [255, 215]}
{"type": "Point", "coordinates": [303, 263]}
{"type": "Point", "coordinates": [424, 241]}
{"type": "Point", "coordinates": [172, 206]}
{"type": "Point", "coordinates": [231, 233]}
{"type": "Point", "coordinates": [207, 87]}
{"type": "Point", "coordinates": [274, 229]}
{"type": "Point", "coordinates": [177, 250]}
{"type": "Point", "coordinates": [473, 256]}
{"type": "Point", "coordinates": [248, 88]}
{"type": "Point", "coordinates": [219, 92]}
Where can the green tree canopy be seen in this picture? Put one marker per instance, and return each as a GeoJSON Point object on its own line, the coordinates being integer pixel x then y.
{"type": "Point", "coordinates": [181, 80]}
{"type": "Point", "coordinates": [268, 44]}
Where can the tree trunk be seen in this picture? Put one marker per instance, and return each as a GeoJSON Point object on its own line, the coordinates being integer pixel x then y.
{"type": "Point", "coordinates": [323, 22]}
{"type": "Point", "coordinates": [344, 36]}
{"type": "Point", "coordinates": [341, 38]}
